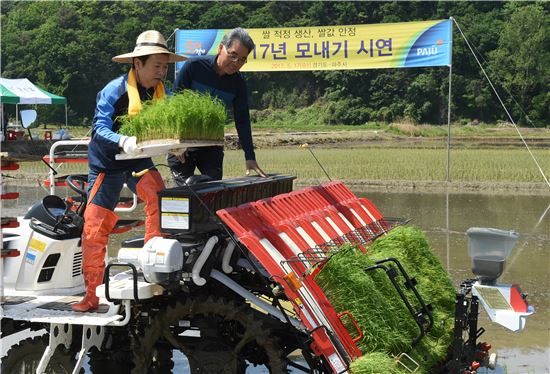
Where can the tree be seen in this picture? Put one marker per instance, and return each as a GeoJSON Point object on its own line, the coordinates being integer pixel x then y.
{"type": "Point", "coordinates": [521, 59]}
{"type": "Point", "coordinates": [67, 47]}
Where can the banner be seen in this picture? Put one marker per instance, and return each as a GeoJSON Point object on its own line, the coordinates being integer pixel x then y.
{"type": "Point", "coordinates": [387, 45]}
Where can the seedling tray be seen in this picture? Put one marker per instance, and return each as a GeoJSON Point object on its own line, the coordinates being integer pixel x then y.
{"type": "Point", "coordinates": [157, 147]}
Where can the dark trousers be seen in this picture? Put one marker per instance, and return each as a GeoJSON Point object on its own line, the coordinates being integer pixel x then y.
{"type": "Point", "coordinates": [108, 194]}
{"type": "Point", "coordinates": [209, 161]}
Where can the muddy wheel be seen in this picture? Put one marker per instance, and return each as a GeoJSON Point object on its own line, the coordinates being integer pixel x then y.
{"type": "Point", "coordinates": [109, 361]}
{"type": "Point", "coordinates": [24, 358]}
{"type": "Point", "coordinates": [216, 334]}
{"type": "Point", "coordinates": [120, 362]}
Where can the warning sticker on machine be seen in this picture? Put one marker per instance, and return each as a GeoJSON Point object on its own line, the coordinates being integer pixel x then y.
{"type": "Point", "coordinates": [336, 363]}
{"type": "Point", "coordinates": [30, 258]}
{"type": "Point", "coordinates": [175, 204]}
{"type": "Point", "coordinates": [37, 245]}
{"type": "Point", "coordinates": [177, 221]}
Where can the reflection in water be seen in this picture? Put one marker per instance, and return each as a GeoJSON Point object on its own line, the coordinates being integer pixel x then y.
{"type": "Point", "coordinates": [445, 219]}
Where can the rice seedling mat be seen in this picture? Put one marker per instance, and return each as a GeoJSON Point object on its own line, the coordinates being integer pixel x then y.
{"type": "Point", "coordinates": [157, 147]}
{"type": "Point", "coordinates": [186, 119]}
{"type": "Point", "coordinates": [387, 325]}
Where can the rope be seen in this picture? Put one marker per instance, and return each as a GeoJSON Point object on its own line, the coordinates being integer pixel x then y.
{"type": "Point", "coordinates": [516, 255]}
{"type": "Point", "coordinates": [170, 37]}
{"type": "Point", "coordinates": [171, 42]}
{"type": "Point", "coordinates": [502, 103]}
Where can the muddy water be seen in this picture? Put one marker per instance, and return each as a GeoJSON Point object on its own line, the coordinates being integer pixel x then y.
{"type": "Point", "coordinates": [445, 218]}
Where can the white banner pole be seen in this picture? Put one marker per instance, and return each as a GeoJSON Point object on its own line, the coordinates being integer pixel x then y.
{"type": "Point", "coordinates": [448, 174]}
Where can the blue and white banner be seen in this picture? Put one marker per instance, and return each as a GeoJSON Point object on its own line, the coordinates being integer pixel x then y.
{"type": "Point", "coordinates": [387, 45]}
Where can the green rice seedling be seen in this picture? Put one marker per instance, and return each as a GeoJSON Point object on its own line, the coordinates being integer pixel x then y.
{"type": "Point", "coordinates": [188, 115]}
{"type": "Point", "coordinates": [512, 167]}
{"type": "Point", "coordinates": [386, 323]}
{"type": "Point", "coordinates": [376, 363]}
{"type": "Point", "coordinates": [392, 164]}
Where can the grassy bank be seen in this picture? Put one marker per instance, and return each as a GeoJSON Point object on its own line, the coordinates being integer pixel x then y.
{"type": "Point", "coordinates": [370, 130]}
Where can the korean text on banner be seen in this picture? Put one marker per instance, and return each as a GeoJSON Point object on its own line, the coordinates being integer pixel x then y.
{"type": "Point", "coordinates": [388, 45]}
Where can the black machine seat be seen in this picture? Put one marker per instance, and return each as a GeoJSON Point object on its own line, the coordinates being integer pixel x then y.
{"type": "Point", "coordinates": [52, 217]}
{"type": "Point", "coordinates": [48, 210]}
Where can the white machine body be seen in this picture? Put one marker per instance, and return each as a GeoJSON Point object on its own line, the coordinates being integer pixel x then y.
{"type": "Point", "coordinates": [160, 259]}
{"type": "Point", "coordinates": [44, 264]}
{"type": "Point", "coordinates": [504, 304]}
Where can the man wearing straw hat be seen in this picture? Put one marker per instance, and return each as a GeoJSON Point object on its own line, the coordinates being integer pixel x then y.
{"type": "Point", "coordinates": [220, 76]}
{"type": "Point", "coordinates": [123, 95]}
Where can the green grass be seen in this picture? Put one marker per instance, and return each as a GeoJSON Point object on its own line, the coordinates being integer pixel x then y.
{"type": "Point", "coordinates": [364, 163]}
{"type": "Point", "coordinates": [386, 323]}
{"type": "Point", "coordinates": [189, 115]}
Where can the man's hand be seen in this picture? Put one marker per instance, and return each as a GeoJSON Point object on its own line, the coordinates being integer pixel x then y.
{"type": "Point", "coordinates": [253, 165]}
{"type": "Point", "coordinates": [129, 145]}
{"type": "Point", "coordinates": [182, 156]}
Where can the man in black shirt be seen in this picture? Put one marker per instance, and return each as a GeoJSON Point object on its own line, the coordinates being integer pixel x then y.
{"type": "Point", "coordinates": [218, 75]}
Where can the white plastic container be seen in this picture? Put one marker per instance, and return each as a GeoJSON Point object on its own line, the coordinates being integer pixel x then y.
{"type": "Point", "coordinates": [483, 241]}
{"type": "Point", "coordinates": [489, 248]}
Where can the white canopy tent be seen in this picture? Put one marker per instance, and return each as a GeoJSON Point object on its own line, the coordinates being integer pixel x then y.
{"type": "Point", "coordinates": [23, 91]}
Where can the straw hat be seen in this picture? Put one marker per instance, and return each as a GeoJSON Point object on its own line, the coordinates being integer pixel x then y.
{"type": "Point", "coordinates": [149, 42]}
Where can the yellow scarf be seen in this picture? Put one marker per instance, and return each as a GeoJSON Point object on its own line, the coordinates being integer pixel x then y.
{"type": "Point", "coordinates": [134, 101]}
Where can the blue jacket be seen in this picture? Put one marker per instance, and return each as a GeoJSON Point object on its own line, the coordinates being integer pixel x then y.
{"type": "Point", "coordinates": [111, 102]}
{"type": "Point", "coordinates": [198, 74]}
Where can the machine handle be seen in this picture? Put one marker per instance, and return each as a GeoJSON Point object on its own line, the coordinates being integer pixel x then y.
{"type": "Point", "coordinates": [348, 313]}
{"type": "Point", "coordinates": [106, 279]}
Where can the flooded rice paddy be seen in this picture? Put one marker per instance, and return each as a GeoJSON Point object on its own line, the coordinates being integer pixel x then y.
{"type": "Point", "coordinates": [445, 219]}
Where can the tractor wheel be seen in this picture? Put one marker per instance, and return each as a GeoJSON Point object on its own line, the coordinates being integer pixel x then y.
{"type": "Point", "coordinates": [216, 334]}
{"type": "Point", "coordinates": [109, 361]}
{"type": "Point", "coordinates": [120, 362]}
{"type": "Point", "coordinates": [24, 358]}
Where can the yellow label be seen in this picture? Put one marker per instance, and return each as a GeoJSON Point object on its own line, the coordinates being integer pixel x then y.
{"type": "Point", "coordinates": [37, 245]}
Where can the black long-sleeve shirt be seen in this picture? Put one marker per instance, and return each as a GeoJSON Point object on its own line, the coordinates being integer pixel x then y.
{"type": "Point", "coordinates": [199, 74]}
